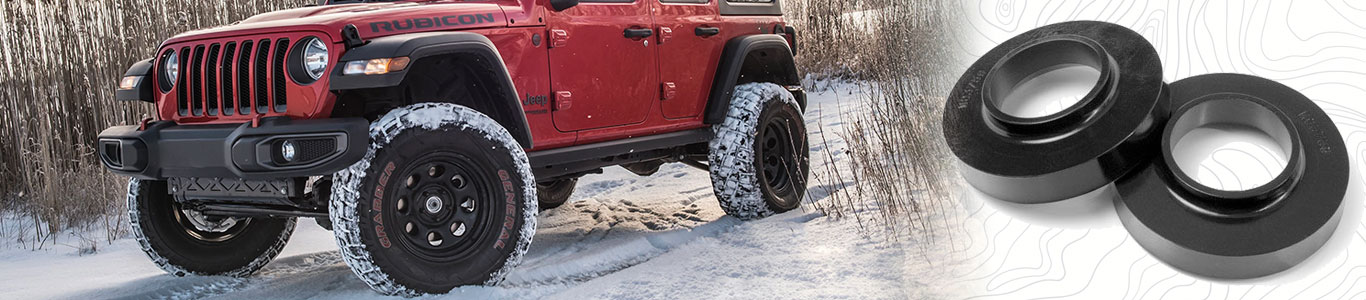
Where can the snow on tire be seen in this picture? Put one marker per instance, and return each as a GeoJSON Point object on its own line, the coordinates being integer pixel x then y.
{"type": "Point", "coordinates": [238, 249]}
{"type": "Point", "coordinates": [443, 197]}
{"type": "Point", "coordinates": [759, 160]}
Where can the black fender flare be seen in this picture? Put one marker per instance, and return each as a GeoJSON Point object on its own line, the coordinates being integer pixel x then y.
{"type": "Point", "coordinates": [766, 56]}
{"type": "Point", "coordinates": [142, 91]}
{"type": "Point", "coordinates": [416, 46]}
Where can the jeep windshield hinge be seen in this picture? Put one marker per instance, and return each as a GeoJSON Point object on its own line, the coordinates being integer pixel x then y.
{"type": "Point", "coordinates": [351, 37]}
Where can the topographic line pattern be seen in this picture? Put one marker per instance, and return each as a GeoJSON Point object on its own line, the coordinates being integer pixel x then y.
{"type": "Point", "coordinates": [1316, 47]}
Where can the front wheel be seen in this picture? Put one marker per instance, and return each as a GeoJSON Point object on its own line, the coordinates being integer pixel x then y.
{"type": "Point", "coordinates": [444, 198]}
{"type": "Point", "coordinates": [185, 242]}
{"type": "Point", "coordinates": [759, 157]}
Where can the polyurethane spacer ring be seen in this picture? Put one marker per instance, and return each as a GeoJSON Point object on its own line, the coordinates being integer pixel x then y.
{"type": "Point", "coordinates": [1069, 153]}
{"type": "Point", "coordinates": [1239, 234]}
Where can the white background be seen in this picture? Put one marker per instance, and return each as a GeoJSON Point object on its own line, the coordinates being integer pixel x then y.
{"type": "Point", "coordinates": [1077, 248]}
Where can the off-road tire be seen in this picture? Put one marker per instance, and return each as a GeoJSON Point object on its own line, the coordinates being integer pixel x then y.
{"type": "Point", "coordinates": [763, 128]}
{"type": "Point", "coordinates": [370, 222]}
{"type": "Point", "coordinates": [181, 250]}
{"type": "Point", "coordinates": [555, 193]}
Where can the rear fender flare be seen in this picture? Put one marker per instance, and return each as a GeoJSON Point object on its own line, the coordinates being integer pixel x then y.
{"type": "Point", "coordinates": [751, 58]}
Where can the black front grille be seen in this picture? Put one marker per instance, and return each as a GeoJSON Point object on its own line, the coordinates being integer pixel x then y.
{"type": "Point", "coordinates": [229, 102]}
{"type": "Point", "coordinates": [279, 85]}
{"type": "Point", "coordinates": [208, 85]}
{"type": "Point", "coordinates": [211, 82]}
{"type": "Point", "coordinates": [197, 79]}
{"type": "Point", "coordinates": [182, 101]}
{"type": "Point", "coordinates": [243, 82]}
{"type": "Point", "coordinates": [259, 76]}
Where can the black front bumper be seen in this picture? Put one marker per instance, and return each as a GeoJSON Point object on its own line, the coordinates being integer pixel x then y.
{"type": "Point", "coordinates": [166, 150]}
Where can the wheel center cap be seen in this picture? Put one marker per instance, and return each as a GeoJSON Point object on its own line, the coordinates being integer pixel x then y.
{"type": "Point", "coordinates": [434, 204]}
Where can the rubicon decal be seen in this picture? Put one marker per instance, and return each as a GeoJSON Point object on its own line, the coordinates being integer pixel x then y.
{"type": "Point", "coordinates": [433, 22]}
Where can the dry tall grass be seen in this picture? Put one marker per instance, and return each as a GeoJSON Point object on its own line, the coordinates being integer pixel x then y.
{"type": "Point", "coordinates": [62, 60]}
{"type": "Point", "coordinates": [899, 54]}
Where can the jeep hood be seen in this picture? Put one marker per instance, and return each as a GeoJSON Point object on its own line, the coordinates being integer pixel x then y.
{"type": "Point", "coordinates": [330, 19]}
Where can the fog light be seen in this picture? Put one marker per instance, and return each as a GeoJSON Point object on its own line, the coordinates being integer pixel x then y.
{"type": "Point", "coordinates": [287, 151]}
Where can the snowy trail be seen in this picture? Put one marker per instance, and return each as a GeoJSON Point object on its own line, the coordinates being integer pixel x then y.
{"type": "Point", "coordinates": [621, 236]}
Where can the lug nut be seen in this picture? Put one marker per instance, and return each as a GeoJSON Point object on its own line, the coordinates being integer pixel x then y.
{"type": "Point", "coordinates": [468, 205]}
{"type": "Point", "coordinates": [458, 181]}
{"type": "Point", "coordinates": [433, 239]}
{"type": "Point", "coordinates": [458, 229]}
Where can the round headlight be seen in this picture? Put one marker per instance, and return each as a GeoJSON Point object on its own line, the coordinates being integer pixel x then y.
{"type": "Point", "coordinates": [171, 67]}
{"type": "Point", "coordinates": [315, 58]}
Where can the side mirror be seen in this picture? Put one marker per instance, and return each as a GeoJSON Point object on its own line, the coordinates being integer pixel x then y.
{"type": "Point", "coordinates": [561, 5]}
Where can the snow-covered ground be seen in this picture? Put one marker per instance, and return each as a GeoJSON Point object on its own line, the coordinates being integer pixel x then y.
{"type": "Point", "coordinates": [622, 236]}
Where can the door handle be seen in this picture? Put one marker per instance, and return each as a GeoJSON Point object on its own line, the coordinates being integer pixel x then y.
{"type": "Point", "coordinates": [636, 33]}
{"type": "Point", "coordinates": [706, 31]}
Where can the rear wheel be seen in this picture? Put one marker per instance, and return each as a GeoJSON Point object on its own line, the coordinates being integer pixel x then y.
{"type": "Point", "coordinates": [759, 157]}
{"type": "Point", "coordinates": [444, 198]}
{"type": "Point", "coordinates": [555, 193]}
{"type": "Point", "coordinates": [185, 242]}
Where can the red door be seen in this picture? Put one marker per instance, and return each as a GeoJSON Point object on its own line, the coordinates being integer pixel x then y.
{"type": "Point", "coordinates": [602, 64]}
{"type": "Point", "coordinates": [689, 55]}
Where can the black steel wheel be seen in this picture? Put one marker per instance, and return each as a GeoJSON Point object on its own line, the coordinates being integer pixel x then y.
{"type": "Point", "coordinates": [443, 198]}
{"type": "Point", "coordinates": [445, 206]}
{"type": "Point", "coordinates": [780, 164]}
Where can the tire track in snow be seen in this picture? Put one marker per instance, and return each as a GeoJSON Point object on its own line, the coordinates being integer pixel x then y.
{"type": "Point", "coordinates": [607, 259]}
{"type": "Point", "coordinates": [621, 226]}
{"type": "Point", "coordinates": [192, 287]}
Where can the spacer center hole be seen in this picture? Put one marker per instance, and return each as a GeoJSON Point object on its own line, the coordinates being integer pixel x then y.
{"type": "Point", "coordinates": [1231, 145]}
{"type": "Point", "coordinates": [1050, 91]}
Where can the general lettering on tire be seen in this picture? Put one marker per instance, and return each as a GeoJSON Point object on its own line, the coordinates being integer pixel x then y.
{"type": "Point", "coordinates": [511, 200]}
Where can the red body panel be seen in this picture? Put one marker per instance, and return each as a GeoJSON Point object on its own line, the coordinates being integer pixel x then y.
{"type": "Point", "coordinates": [615, 81]}
{"type": "Point", "coordinates": [612, 78]}
{"type": "Point", "coordinates": [688, 60]}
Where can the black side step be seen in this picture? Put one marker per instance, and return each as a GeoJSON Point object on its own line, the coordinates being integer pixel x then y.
{"type": "Point", "coordinates": [552, 164]}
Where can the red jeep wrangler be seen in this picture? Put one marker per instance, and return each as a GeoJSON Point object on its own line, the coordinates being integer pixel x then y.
{"type": "Point", "coordinates": [428, 134]}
